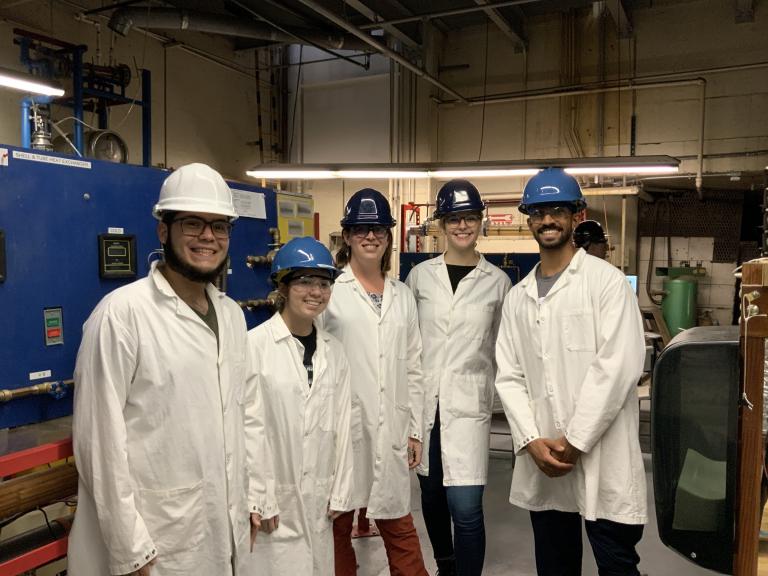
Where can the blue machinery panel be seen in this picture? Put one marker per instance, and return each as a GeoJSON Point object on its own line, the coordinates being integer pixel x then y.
{"type": "Point", "coordinates": [516, 266]}
{"type": "Point", "coordinates": [51, 215]}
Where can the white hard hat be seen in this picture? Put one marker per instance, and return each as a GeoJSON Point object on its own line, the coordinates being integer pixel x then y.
{"type": "Point", "coordinates": [195, 188]}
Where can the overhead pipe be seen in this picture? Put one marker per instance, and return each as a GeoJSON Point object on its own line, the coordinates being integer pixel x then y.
{"type": "Point", "coordinates": [444, 13]}
{"type": "Point", "coordinates": [124, 19]}
{"type": "Point", "coordinates": [391, 54]}
{"type": "Point", "coordinates": [627, 86]}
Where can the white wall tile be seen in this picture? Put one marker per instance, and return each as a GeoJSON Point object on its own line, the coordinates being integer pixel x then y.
{"type": "Point", "coordinates": [700, 249]}
{"type": "Point", "coordinates": [721, 295]}
{"type": "Point", "coordinates": [679, 249]}
{"type": "Point", "coordinates": [660, 250]}
{"type": "Point", "coordinates": [703, 295]}
{"type": "Point", "coordinates": [722, 273]}
{"type": "Point", "coordinates": [722, 315]}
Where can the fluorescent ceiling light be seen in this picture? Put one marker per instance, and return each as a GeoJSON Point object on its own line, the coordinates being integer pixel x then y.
{"type": "Point", "coordinates": [381, 174]}
{"type": "Point", "coordinates": [630, 165]}
{"type": "Point", "coordinates": [27, 83]}
{"type": "Point", "coordinates": [587, 170]}
{"type": "Point", "coordinates": [292, 174]}
{"type": "Point", "coordinates": [501, 173]}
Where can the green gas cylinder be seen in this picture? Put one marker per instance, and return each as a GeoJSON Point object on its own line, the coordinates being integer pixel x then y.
{"type": "Point", "coordinates": [679, 304]}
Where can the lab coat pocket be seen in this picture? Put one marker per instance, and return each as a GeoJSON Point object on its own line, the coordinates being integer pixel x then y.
{"type": "Point", "coordinates": [578, 330]}
{"type": "Point", "coordinates": [290, 517]}
{"type": "Point", "coordinates": [321, 521]}
{"type": "Point", "coordinates": [465, 395]}
{"type": "Point", "coordinates": [175, 522]}
{"type": "Point", "coordinates": [401, 425]}
{"type": "Point", "coordinates": [478, 320]}
{"type": "Point", "coordinates": [325, 408]}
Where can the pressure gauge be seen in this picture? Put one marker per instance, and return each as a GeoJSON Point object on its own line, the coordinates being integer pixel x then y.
{"type": "Point", "coordinates": [107, 145]}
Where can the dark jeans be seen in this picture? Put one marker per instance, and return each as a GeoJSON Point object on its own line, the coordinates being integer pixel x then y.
{"type": "Point", "coordinates": [557, 537]}
{"type": "Point", "coordinates": [461, 504]}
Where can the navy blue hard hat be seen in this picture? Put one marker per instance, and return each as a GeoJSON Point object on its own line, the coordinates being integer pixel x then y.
{"type": "Point", "coordinates": [588, 232]}
{"type": "Point", "coordinates": [367, 206]}
{"type": "Point", "coordinates": [301, 254]}
{"type": "Point", "coordinates": [552, 186]}
{"type": "Point", "coordinates": [458, 196]}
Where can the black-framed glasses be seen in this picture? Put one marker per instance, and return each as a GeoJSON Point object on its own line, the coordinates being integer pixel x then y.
{"type": "Point", "coordinates": [307, 283]}
{"type": "Point", "coordinates": [469, 219]}
{"type": "Point", "coordinates": [554, 212]}
{"type": "Point", "coordinates": [362, 230]}
{"type": "Point", "coordinates": [195, 226]}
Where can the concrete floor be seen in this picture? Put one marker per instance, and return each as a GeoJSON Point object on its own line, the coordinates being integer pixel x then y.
{"type": "Point", "coordinates": [509, 540]}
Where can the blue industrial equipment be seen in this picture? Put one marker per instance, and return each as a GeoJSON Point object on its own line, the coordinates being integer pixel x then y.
{"type": "Point", "coordinates": [53, 209]}
{"type": "Point", "coordinates": [516, 266]}
{"type": "Point", "coordinates": [94, 88]}
{"type": "Point", "coordinates": [694, 431]}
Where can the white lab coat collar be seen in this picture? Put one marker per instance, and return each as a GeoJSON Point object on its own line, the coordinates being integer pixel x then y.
{"type": "Point", "coordinates": [165, 288]}
{"type": "Point", "coordinates": [528, 284]}
{"type": "Point", "coordinates": [390, 291]}
{"type": "Point", "coordinates": [279, 330]}
{"type": "Point", "coordinates": [441, 270]}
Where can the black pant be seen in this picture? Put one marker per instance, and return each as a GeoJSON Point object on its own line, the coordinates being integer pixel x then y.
{"type": "Point", "coordinates": [557, 537]}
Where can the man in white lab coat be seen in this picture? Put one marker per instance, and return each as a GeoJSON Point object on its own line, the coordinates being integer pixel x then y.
{"type": "Point", "coordinates": [570, 352]}
{"type": "Point", "coordinates": [159, 397]}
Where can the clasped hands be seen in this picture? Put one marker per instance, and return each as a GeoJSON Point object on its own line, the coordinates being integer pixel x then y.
{"type": "Point", "coordinates": [554, 457]}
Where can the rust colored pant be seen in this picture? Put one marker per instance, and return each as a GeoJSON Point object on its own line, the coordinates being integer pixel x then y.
{"type": "Point", "coordinates": [400, 541]}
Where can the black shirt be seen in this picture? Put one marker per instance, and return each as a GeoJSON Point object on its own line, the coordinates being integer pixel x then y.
{"type": "Point", "coordinates": [310, 345]}
{"type": "Point", "coordinates": [456, 273]}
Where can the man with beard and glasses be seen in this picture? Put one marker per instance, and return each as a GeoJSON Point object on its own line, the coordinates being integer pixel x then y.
{"type": "Point", "coordinates": [570, 352]}
{"type": "Point", "coordinates": [159, 396]}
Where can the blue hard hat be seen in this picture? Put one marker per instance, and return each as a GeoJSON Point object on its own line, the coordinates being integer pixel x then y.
{"type": "Point", "coordinates": [367, 206]}
{"type": "Point", "coordinates": [552, 186]}
{"type": "Point", "coordinates": [301, 254]}
{"type": "Point", "coordinates": [458, 196]}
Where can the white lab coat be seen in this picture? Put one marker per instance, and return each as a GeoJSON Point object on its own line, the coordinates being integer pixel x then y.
{"type": "Point", "coordinates": [158, 436]}
{"type": "Point", "coordinates": [458, 334]}
{"type": "Point", "coordinates": [308, 435]}
{"type": "Point", "coordinates": [570, 365]}
{"type": "Point", "coordinates": [384, 353]}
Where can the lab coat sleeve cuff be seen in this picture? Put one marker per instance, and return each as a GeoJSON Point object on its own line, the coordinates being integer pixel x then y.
{"type": "Point", "coordinates": [580, 445]}
{"type": "Point", "coordinates": [264, 510]}
{"type": "Point", "coordinates": [520, 446]}
{"type": "Point", "coordinates": [415, 435]}
{"type": "Point", "coordinates": [135, 564]}
{"type": "Point", "coordinates": [339, 504]}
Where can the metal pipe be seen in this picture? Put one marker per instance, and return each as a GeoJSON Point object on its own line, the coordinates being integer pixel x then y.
{"type": "Point", "coordinates": [380, 47]}
{"type": "Point", "coordinates": [443, 13]}
{"type": "Point", "coordinates": [559, 93]}
{"type": "Point", "coordinates": [36, 538]}
{"type": "Point", "coordinates": [36, 389]}
{"type": "Point", "coordinates": [700, 162]}
{"type": "Point", "coordinates": [172, 19]}
{"type": "Point", "coordinates": [26, 132]}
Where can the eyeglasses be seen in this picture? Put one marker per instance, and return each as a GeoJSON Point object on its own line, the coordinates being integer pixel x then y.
{"type": "Point", "coordinates": [362, 230]}
{"type": "Point", "coordinates": [554, 212]}
{"type": "Point", "coordinates": [194, 226]}
{"type": "Point", "coordinates": [307, 283]}
{"type": "Point", "coordinates": [455, 219]}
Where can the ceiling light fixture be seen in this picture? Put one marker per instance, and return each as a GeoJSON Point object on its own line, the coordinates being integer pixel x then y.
{"type": "Point", "coordinates": [27, 83]}
{"type": "Point", "coordinates": [623, 165]}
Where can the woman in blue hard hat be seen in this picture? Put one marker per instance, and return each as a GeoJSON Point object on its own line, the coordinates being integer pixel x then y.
{"type": "Point", "coordinates": [301, 475]}
{"type": "Point", "coordinates": [375, 318]}
{"type": "Point", "coordinates": [459, 295]}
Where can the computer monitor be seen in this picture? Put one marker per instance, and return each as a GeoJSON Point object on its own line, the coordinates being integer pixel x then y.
{"type": "Point", "coordinates": [632, 279]}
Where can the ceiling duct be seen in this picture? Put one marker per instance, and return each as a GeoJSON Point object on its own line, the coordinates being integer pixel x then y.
{"type": "Point", "coordinates": [124, 19]}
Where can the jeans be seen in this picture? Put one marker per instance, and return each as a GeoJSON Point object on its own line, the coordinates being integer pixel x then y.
{"type": "Point", "coordinates": [462, 505]}
{"type": "Point", "coordinates": [557, 537]}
